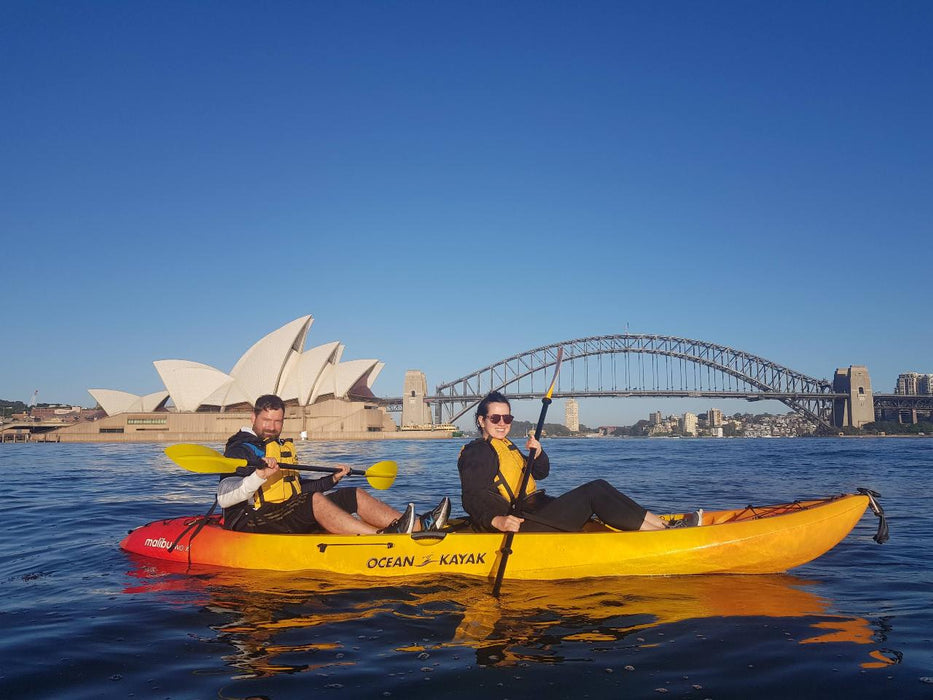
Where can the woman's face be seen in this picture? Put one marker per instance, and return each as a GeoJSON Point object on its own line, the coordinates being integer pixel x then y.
{"type": "Point", "coordinates": [491, 429]}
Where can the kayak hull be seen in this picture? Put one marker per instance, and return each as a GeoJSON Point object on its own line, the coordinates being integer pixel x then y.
{"type": "Point", "coordinates": [763, 540]}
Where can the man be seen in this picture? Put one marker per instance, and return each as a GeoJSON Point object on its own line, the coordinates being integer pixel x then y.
{"type": "Point", "coordinates": [274, 499]}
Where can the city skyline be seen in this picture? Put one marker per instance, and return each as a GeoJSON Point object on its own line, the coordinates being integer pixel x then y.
{"type": "Point", "coordinates": [444, 185]}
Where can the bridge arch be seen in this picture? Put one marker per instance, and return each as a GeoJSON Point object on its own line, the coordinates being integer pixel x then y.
{"type": "Point", "coordinates": [639, 365]}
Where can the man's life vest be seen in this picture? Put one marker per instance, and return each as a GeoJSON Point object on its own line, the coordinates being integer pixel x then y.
{"type": "Point", "coordinates": [511, 464]}
{"type": "Point", "coordinates": [285, 483]}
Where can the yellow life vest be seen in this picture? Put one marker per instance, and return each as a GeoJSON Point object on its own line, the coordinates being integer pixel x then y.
{"type": "Point", "coordinates": [285, 483]}
{"type": "Point", "coordinates": [511, 464]}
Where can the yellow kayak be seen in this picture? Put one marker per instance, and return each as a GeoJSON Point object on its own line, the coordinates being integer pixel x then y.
{"type": "Point", "coordinates": [750, 540]}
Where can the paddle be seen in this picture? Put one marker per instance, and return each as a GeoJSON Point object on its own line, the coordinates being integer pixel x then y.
{"type": "Point", "coordinates": [526, 473]}
{"type": "Point", "coordinates": [204, 460]}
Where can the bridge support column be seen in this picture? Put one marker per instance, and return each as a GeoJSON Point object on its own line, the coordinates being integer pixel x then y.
{"type": "Point", "coordinates": [859, 408]}
{"type": "Point", "coordinates": [414, 410]}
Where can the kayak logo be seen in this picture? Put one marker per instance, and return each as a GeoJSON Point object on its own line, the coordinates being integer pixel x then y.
{"type": "Point", "coordinates": [442, 560]}
{"type": "Point", "coordinates": [163, 543]}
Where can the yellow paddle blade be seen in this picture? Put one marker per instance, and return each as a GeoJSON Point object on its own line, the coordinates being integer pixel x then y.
{"type": "Point", "coordinates": [382, 474]}
{"type": "Point", "coordinates": [202, 459]}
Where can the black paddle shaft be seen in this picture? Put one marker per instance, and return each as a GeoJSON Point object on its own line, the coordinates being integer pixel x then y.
{"type": "Point", "coordinates": [260, 464]}
{"type": "Point", "coordinates": [514, 506]}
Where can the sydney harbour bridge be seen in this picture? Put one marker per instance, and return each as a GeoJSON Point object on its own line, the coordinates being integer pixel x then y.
{"type": "Point", "coordinates": [663, 366]}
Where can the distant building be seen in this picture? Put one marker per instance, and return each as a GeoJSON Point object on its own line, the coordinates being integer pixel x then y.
{"type": "Point", "coordinates": [325, 397]}
{"type": "Point", "coordinates": [914, 383]}
{"type": "Point", "coordinates": [572, 415]}
{"type": "Point", "coordinates": [908, 383]}
{"type": "Point", "coordinates": [714, 418]}
{"type": "Point", "coordinates": [656, 418]}
{"type": "Point", "coordinates": [689, 424]}
{"type": "Point", "coordinates": [925, 385]}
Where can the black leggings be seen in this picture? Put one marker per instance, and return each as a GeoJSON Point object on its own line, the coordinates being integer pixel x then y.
{"type": "Point", "coordinates": [570, 511]}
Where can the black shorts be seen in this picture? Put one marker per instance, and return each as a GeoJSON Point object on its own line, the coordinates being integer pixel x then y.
{"type": "Point", "coordinates": [294, 516]}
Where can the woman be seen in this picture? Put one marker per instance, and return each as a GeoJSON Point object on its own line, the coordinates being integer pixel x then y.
{"type": "Point", "coordinates": [490, 474]}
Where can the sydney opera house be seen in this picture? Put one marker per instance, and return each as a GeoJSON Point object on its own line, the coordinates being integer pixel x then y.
{"type": "Point", "coordinates": [325, 397]}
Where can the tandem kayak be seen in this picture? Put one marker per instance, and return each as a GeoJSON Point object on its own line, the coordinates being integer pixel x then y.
{"type": "Point", "coordinates": [750, 540]}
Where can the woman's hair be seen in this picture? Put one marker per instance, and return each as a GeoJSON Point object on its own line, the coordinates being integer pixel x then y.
{"type": "Point", "coordinates": [483, 408]}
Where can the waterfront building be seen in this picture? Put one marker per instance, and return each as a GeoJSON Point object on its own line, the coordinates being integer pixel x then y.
{"type": "Point", "coordinates": [688, 424]}
{"type": "Point", "coordinates": [325, 398]}
{"type": "Point", "coordinates": [572, 415]}
{"type": "Point", "coordinates": [714, 418]}
{"type": "Point", "coordinates": [656, 418]}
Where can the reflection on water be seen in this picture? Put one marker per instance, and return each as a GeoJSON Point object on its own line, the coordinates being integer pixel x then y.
{"type": "Point", "coordinates": [285, 623]}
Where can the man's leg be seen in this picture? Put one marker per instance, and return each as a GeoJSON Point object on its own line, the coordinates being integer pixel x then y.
{"type": "Point", "coordinates": [338, 521]}
{"type": "Point", "coordinates": [375, 512]}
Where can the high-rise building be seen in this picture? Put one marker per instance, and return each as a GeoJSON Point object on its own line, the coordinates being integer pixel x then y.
{"type": "Point", "coordinates": [656, 418]}
{"type": "Point", "coordinates": [925, 385]}
{"type": "Point", "coordinates": [689, 424]}
{"type": "Point", "coordinates": [908, 383]}
{"type": "Point", "coordinates": [572, 415]}
{"type": "Point", "coordinates": [714, 418]}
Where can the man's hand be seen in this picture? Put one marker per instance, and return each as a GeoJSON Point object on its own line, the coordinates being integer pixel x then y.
{"type": "Point", "coordinates": [271, 468]}
{"type": "Point", "coordinates": [343, 470]}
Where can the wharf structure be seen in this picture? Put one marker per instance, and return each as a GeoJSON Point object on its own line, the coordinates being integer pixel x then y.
{"type": "Point", "coordinates": [325, 399]}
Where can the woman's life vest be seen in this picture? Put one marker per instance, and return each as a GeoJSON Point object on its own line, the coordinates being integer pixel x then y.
{"type": "Point", "coordinates": [285, 483]}
{"type": "Point", "coordinates": [511, 463]}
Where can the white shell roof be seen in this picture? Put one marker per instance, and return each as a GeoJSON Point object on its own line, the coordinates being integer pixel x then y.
{"type": "Point", "coordinates": [189, 382]}
{"type": "Point", "coordinates": [114, 401]}
{"type": "Point", "coordinates": [259, 371]}
{"type": "Point", "coordinates": [301, 378]}
{"type": "Point", "coordinates": [350, 373]}
{"type": "Point", "coordinates": [276, 364]}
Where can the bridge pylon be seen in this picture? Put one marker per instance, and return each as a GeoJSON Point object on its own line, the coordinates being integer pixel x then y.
{"type": "Point", "coordinates": [858, 407]}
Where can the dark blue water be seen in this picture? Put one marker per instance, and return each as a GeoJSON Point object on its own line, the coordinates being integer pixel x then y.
{"type": "Point", "coordinates": [81, 619]}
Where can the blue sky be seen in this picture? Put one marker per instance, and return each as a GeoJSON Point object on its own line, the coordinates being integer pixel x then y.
{"type": "Point", "coordinates": [443, 185]}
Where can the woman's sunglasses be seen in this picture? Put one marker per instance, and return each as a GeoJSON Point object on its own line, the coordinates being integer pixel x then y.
{"type": "Point", "coordinates": [495, 418]}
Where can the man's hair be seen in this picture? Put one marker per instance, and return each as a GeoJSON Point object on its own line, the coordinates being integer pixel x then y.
{"type": "Point", "coordinates": [268, 402]}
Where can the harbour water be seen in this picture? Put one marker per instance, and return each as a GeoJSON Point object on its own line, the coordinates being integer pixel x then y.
{"type": "Point", "coordinates": [82, 619]}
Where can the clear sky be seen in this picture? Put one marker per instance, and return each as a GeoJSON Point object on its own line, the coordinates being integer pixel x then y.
{"type": "Point", "coordinates": [445, 184]}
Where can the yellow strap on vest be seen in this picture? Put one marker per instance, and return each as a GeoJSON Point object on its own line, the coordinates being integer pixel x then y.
{"type": "Point", "coordinates": [511, 464]}
{"type": "Point", "coordinates": [285, 483]}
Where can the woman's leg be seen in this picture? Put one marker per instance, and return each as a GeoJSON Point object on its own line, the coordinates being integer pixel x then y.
{"type": "Point", "coordinates": [571, 510]}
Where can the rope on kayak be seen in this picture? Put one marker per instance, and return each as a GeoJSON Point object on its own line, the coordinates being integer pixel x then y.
{"type": "Point", "coordinates": [198, 525]}
{"type": "Point", "coordinates": [882, 535]}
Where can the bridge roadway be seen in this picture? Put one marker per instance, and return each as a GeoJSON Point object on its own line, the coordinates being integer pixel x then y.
{"type": "Point", "coordinates": [886, 406]}
{"type": "Point", "coordinates": [881, 401]}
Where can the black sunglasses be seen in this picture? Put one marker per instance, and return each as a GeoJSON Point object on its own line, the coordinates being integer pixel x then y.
{"type": "Point", "coordinates": [495, 418]}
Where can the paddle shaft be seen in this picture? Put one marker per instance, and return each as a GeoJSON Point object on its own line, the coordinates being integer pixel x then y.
{"type": "Point", "coordinates": [526, 475]}
{"type": "Point", "coordinates": [260, 464]}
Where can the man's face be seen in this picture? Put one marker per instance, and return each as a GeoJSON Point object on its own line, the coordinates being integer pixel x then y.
{"type": "Point", "coordinates": [268, 424]}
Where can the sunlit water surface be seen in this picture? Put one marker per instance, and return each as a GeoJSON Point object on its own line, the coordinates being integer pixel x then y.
{"type": "Point", "coordinates": [82, 619]}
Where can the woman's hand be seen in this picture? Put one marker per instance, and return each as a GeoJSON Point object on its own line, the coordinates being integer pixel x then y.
{"type": "Point", "coordinates": [533, 444]}
{"type": "Point", "coordinates": [507, 523]}
{"type": "Point", "coordinates": [343, 470]}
